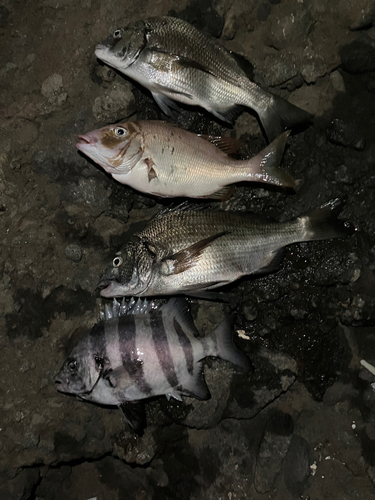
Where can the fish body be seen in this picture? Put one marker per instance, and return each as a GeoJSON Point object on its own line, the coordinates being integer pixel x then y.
{"type": "Point", "coordinates": [188, 251]}
{"type": "Point", "coordinates": [177, 62]}
{"type": "Point", "coordinates": [158, 158]}
{"type": "Point", "coordinates": [140, 352]}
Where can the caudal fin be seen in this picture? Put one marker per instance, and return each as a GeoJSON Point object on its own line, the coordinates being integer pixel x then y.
{"type": "Point", "coordinates": [281, 115]}
{"type": "Point", "coordinates": [322, 223]}
{"type": "Point", "coordinates": [265, 165]}
{"type": "Point", "coordinates": [225, 349]}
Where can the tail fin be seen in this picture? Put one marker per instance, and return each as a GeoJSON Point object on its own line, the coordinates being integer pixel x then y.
{"type": "Point", "coordinates": [267, 165]}
{"type": "Point", "coordinates": [322, 223]}
{"type": "Point", "coordinates": [280, 115]}
{"type": "Point", "coordinates": [225, 349]}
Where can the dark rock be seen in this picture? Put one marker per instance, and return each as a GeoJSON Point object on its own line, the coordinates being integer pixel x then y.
{"type": "Point", "coordinates": [263, 11]}
{"type": "Point", "coordinates": [273, 449]}
{"type": "Point", "coordinates": [297, 466]}
{"type": "Point", "coordinates": [345, 134]}
{"type": "Point", "coordinates": [22, 486]}
{"type": "Point", "coordinates": [359, 56]}
{"type": "Point", "coordinates": [339, 392]}
{"type": "Point", "coordinates": [107, 478]}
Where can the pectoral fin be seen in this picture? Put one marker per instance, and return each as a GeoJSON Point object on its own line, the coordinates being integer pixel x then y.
{"type": "Point", "coordinates": [188, 257]}
{"type": "Point", "coordinates": [134, 414]}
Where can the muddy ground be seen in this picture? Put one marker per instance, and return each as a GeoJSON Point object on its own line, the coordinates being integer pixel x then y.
{"type": "Point", "coordinates": [301, 424]}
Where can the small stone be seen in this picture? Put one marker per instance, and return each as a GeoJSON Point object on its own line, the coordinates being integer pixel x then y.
{"type": "Point", "coordinates": [73, 252]}
{"type": "Point", "coordinates": [52, 85]}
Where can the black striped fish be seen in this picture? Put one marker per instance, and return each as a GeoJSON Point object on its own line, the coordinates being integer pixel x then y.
{"type": "Point", "coordinates": [140, 351]}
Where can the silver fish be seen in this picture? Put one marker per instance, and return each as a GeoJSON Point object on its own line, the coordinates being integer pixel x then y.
{"type": "Point", "coordinates": [160, 159]}
{"type": "Point", "coordinates": [187, 251]}
{"type": "Point", "coordinates": [140, 351]}
{"type": "Point", "coordinates": [177, 62]}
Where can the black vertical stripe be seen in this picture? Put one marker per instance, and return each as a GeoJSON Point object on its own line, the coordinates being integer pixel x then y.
{"type": "Point", "coordinates": [162, 349]}
{"type": "Point", "coordinates": [186, 346]}
{"type": "Point", "coordinates": [98, 340]}
{"type": "Point", "coordinates": [129, 355]}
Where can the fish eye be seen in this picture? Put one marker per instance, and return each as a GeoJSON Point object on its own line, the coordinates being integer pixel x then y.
{"type": "Point", "coordinates": [72, 365]}
{"type": "Point", "coordinates": [117, 34]}
{"type": "Point", "coordinates": [117, 261]}
{"type": "Point", "coordinates": [99, 361]}
{"type": "Point", "coordinates": [119, 131]}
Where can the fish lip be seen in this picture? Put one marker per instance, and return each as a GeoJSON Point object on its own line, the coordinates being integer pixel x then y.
{"type": "Point", "coordinates": [85, 141]}
{"type": "Point", "coordinates": [84, 138]}
{"type": "Point", "coordinates": [106, 287]}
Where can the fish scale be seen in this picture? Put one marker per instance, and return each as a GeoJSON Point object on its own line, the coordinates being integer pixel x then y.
{"type": "Point", "coordinates": [188, 251]}
{"type": "Point", "coordinates": [158, 158]}
{"type": "Point", "coordinates": [177, 62]}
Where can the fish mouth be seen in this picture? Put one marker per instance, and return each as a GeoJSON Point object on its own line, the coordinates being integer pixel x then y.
{"type": "Point", "coordinates": [107, 288]}
{"type": "Point", "coordinates": [84, 141]}
{"type": "Point", "coordinates": [61, 386]}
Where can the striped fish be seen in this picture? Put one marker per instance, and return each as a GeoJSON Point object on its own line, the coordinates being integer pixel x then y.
{"type": "Point", "coordinates": [139, 351]}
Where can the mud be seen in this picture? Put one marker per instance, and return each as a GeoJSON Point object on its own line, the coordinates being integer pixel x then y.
{"type": "Point", "coordinates": [301, 423]}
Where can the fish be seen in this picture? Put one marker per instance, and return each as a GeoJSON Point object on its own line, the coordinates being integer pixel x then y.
{"type": "Point", "coordinates": [178, 63]}
{"type": "Point", "coordinates": [161, 159]}
{"type": "Point", "coordinates": [140, 350]}
{"type": "Point", "coordinates": [187, 251]}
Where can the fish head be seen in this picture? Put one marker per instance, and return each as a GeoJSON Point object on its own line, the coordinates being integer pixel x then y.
{"type": "Point", "coordinates": [79, 373]}
{"type": "Point", "coordinates": [116, 148]}
{"type": "Point", "coordinates": [129, 273]}
{"type": "Point", "coordinates": [121, 49]}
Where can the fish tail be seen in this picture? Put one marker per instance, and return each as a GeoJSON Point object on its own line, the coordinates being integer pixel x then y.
{"type": "Point", "coordinates": [224, 347]}
{"type": "Point", "coordinates": [265, 165]}
{"type": "Point", "coordinates": [322, 223]}
{"type": "Point", "coordinates": [279, 115]}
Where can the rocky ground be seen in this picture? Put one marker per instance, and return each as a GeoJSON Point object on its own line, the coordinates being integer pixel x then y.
{"type": "Point", "coordinates": [301, 424]}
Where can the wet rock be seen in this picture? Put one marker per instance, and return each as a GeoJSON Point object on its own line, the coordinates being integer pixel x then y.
{"type": "Point", "coordinates": [345, 134]}
{"type": "Point", "coordinates": [273, 449]}
{"type": "Point", "coordinates": [359, 55]}
{"type": "Point", "coordinates": [297, 466]}
{"type": "Point", "coordinates": [134, 449]}
{"type": "Point", "coordinates": [359, 311]}
{"type": "Point", "coordinates": [73, 252]}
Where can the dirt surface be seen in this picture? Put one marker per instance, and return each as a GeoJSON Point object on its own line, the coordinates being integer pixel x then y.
{"type": "Point", "coordinates": [301, 424]}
